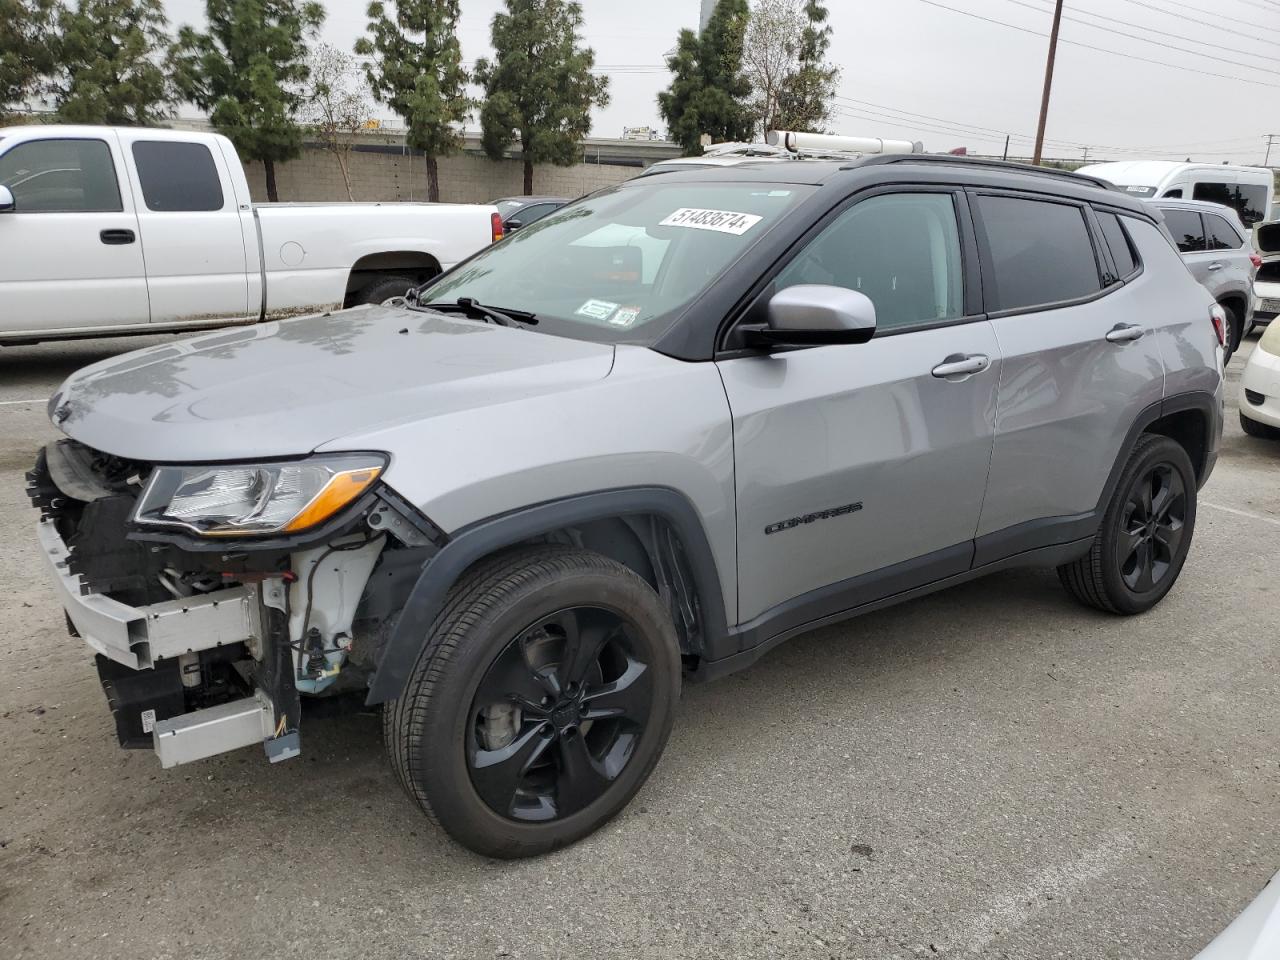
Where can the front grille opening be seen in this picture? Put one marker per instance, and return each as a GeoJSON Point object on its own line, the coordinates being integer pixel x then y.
{"type": "Point", "coordinates": [1255, 398]}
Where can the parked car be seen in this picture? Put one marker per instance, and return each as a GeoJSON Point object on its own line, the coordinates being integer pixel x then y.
{"type": "Point", "coordinates": [1250, 191]}
{"type": "Point", "coordinates": [1260, 387]}
{"type": "Point", "coordinates": [1266, 285]}
{"type": "Point", "coordinates": [517, 510]}
{"type": "Point", "coordinates": [517, 212]}
{"type": "Point", "coordinates": [1216, 248]}
{"type": "Point", "coordinates": [1255, 934]}
{"type": "Point", "coordinates": [132, 230]}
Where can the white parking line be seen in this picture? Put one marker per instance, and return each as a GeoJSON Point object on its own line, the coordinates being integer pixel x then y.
{"type": "Point", "coordinates": [14, 403]}
{"type": "Point", "coordinates": [1242, 513]}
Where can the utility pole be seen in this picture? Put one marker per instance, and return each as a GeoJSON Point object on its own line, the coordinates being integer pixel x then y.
{"type": "Point", "coordinates": [1048, 81]}
{"type": "Point", "coordinates": [1006, 147]}
{"type": "Point", "coordinates": [1271, 138]}
{"type": "Point", "coordinates": [1086, 154]}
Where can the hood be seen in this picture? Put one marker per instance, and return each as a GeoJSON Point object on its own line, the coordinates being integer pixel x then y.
{"type": "Point", "coordinates": [283, 389]}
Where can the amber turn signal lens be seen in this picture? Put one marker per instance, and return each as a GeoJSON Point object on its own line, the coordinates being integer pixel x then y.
{"type": "Point", "coordinates": [341, 489]}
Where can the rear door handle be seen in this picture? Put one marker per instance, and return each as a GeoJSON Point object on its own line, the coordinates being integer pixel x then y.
{"type": "Point", "coordinates": [1215, 266]}
{"type": "Point", "coordinates": [961, 365]}
{"type": "Point", "coordinates": [1124, 333]}
{"type": "Point", "coordinates": [116, 237]}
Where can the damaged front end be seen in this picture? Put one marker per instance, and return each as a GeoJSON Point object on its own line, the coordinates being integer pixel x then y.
{"type": "Point", "coordinates": [214, 596]}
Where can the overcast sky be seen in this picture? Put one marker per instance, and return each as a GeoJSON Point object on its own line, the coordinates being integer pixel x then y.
{"type": "Point", "coordinates": [913, 69]}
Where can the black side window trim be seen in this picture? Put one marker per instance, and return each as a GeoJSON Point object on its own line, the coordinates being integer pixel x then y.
{"type": "Point", "coordinates": [988, 268]}
{"type": "Point", "coordinates": [115, 173]}
{"type": "Point", "coordinates": [971, 277]}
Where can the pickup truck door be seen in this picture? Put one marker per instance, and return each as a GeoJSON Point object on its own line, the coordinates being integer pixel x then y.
{"type": "Point", "coordinates": [192, 237]}
{"type": "Point", "coordinates": [69, 251]}
{"type": "Point", "coordinates": [860, 469]}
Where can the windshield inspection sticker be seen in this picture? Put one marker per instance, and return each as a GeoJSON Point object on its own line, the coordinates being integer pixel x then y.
{"type": "Point", "coordinates": [721, 221]}
{"type": "Point", "coordinates": [625, 317]}
{"type": "Point", "coordinates": [596, 309]}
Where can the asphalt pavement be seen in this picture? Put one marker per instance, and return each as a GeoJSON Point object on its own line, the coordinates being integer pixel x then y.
{"type": "Point", "coordinates": [993, 771]}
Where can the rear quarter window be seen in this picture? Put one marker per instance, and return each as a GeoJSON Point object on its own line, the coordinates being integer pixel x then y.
{"type": "Point", "coordinates": [1039, 252]}
{"type": "Point", "coordinates": [1119, 244]}
{"type": "Point", "coordinates": [1220, 234]}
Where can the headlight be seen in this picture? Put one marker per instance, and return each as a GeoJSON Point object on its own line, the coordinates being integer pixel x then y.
{"type": "Point", "coordinates": [254, 499]}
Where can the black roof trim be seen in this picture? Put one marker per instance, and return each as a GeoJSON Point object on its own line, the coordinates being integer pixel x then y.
{"type": "Point", "coordinates": [997, 165]}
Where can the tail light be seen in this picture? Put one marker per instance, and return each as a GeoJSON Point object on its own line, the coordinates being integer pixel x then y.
{"type": "Point", "coordinates": [1257, 261]}
{"type": "Point", "coordinates": [495, 227]}
{"type": "Point", "coordinates": [1219, 318]}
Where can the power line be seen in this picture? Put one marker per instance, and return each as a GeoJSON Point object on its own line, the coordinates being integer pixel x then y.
{"type": "Point", "coordinates": [1204, 23]}
{"type": "Point", "coordinates": [1115, 53]}
{"type": "Point", "coordinates": [1163, 33]}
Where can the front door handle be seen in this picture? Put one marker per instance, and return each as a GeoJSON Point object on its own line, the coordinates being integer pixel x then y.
{"type": "Point", "coordinates": [116, 237]}
{"type": "Point", "coordinates": [1125, 332]}
{"type": "Point", "coordinates": [961, 365]}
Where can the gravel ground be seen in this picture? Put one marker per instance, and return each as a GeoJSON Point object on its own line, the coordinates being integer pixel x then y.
{"type": "Point", "coordinates": [992, 771]}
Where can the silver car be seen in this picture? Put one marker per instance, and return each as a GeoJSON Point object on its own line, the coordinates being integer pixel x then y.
{"type": "Point", "coordinates": [1218, 250]}
{"type": "Point", "coordinates": [640, 442]}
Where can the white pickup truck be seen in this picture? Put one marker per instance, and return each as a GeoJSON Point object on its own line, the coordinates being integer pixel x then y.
{"type": "Point", "coordinates": [107, 230]}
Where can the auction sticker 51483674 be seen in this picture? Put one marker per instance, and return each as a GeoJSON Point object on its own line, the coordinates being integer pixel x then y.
{"type": "Point", "coordinates": [721, 221]}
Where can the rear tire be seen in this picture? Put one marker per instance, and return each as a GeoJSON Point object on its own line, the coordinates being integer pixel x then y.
{"type": "Point", "coordinates": [1235, 333]}
{"type": "Point", "coordinates": [1145, 535]}
{"type": "Point", "coordinates": [380, 291]}
{"type": "Point", "coordinates": [1263, 431]}
{"type": "Point", "coordinates": [492, 736]}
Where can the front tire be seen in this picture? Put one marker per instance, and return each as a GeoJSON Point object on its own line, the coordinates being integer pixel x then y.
{"type": "Point", "coordinates": [541, 702]}
{"type": "Point", "coordinates": [1145, 535]}
{"type": "Point", "coordinates": [385, 291]}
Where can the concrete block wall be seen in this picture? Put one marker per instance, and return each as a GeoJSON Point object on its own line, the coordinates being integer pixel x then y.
{"type": "Point", "coordinates": [390, 176]}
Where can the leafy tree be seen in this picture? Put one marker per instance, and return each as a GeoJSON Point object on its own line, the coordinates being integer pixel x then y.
{"type": "Point", "coordinates": [248, 70]}
{"type": "Point", "coordinates": [26, 51]}
{"type": "Point", "coordinates": [709, 90]}
{"type": "Point", "coordinates": [110, 68]}
{"type": "Point", "coordinates": [417, 71]}
{"type": "Point", "coordinates": [540, 88]}
{"type": "Point", "coordinates": [804, 102]}
{"type": "Point", "coordinates": [337, 107]}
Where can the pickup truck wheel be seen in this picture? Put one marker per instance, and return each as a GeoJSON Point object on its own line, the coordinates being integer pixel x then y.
{"type": "Point", "coordinates": [385, 290]}
{"type": "Point", "coordinates": [541, 702]}
{"type": "Point", "coordinates": [1146, 532]}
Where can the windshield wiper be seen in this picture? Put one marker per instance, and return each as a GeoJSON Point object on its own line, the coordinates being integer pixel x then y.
{"type": "Point", "coordinates": [468, 307]}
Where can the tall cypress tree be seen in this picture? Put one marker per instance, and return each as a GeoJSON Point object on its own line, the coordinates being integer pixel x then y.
{"type": "Point", "coordinates": [804, 102]}
{"type": "Point", "coordinates": [708, 92]}
{"type": "Point", "coordinates": [539, 90]}
{"type": "Point", "coordinates": [26, 48]}
{"type": "Point", "coordinates": [110, 63]}
{"type": "Point", "coordinates": [247, 69]}
{"type": "Point", "coordinates": [417, 71]}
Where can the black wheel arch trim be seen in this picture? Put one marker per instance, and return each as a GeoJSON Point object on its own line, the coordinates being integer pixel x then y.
{"type": "Point", "coordinates": [480, 539]}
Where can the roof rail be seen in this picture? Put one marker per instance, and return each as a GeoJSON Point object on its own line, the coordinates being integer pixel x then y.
{"type": "Point", "coordinates": [949, 159]}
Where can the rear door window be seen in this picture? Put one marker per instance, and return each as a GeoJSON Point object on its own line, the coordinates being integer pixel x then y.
{"type": "Point", "coordinates": [61, 176]}
{"type": "Point", "coordinates": [1187, 230]}
{"type": "Point", "coordinates": [177, 177]}
{"type": "Point", "coordinates": [1118, 243]}
{"type": "Point", "coordinates": [1039, 252]}
{"type": "Point", "coordinates": [1220, 234]}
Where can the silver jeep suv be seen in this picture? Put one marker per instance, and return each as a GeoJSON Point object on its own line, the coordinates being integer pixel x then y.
{"type": "Point", "coordinates": [640, 442]}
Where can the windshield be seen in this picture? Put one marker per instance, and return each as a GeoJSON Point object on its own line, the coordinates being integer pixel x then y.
{"type": "Point", "coordinates": [617, 267]}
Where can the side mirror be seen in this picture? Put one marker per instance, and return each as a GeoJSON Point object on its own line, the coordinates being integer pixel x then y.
{"type": "Point", "coordinates": [512, 225]}
{"type": "Point", "coordinates": [816, 314]}
{"type": "Point", "coordinates": [6, 200]}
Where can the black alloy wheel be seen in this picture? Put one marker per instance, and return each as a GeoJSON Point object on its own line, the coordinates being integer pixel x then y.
{"type": "Point", "coordinates": [1145, 532]}
{"type": "Point", "coordinates": [1151, 527]}
{"type": "Point", "coordinates": [558, 714]}
{"type": "Point", "coordinates": [541, 701]}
